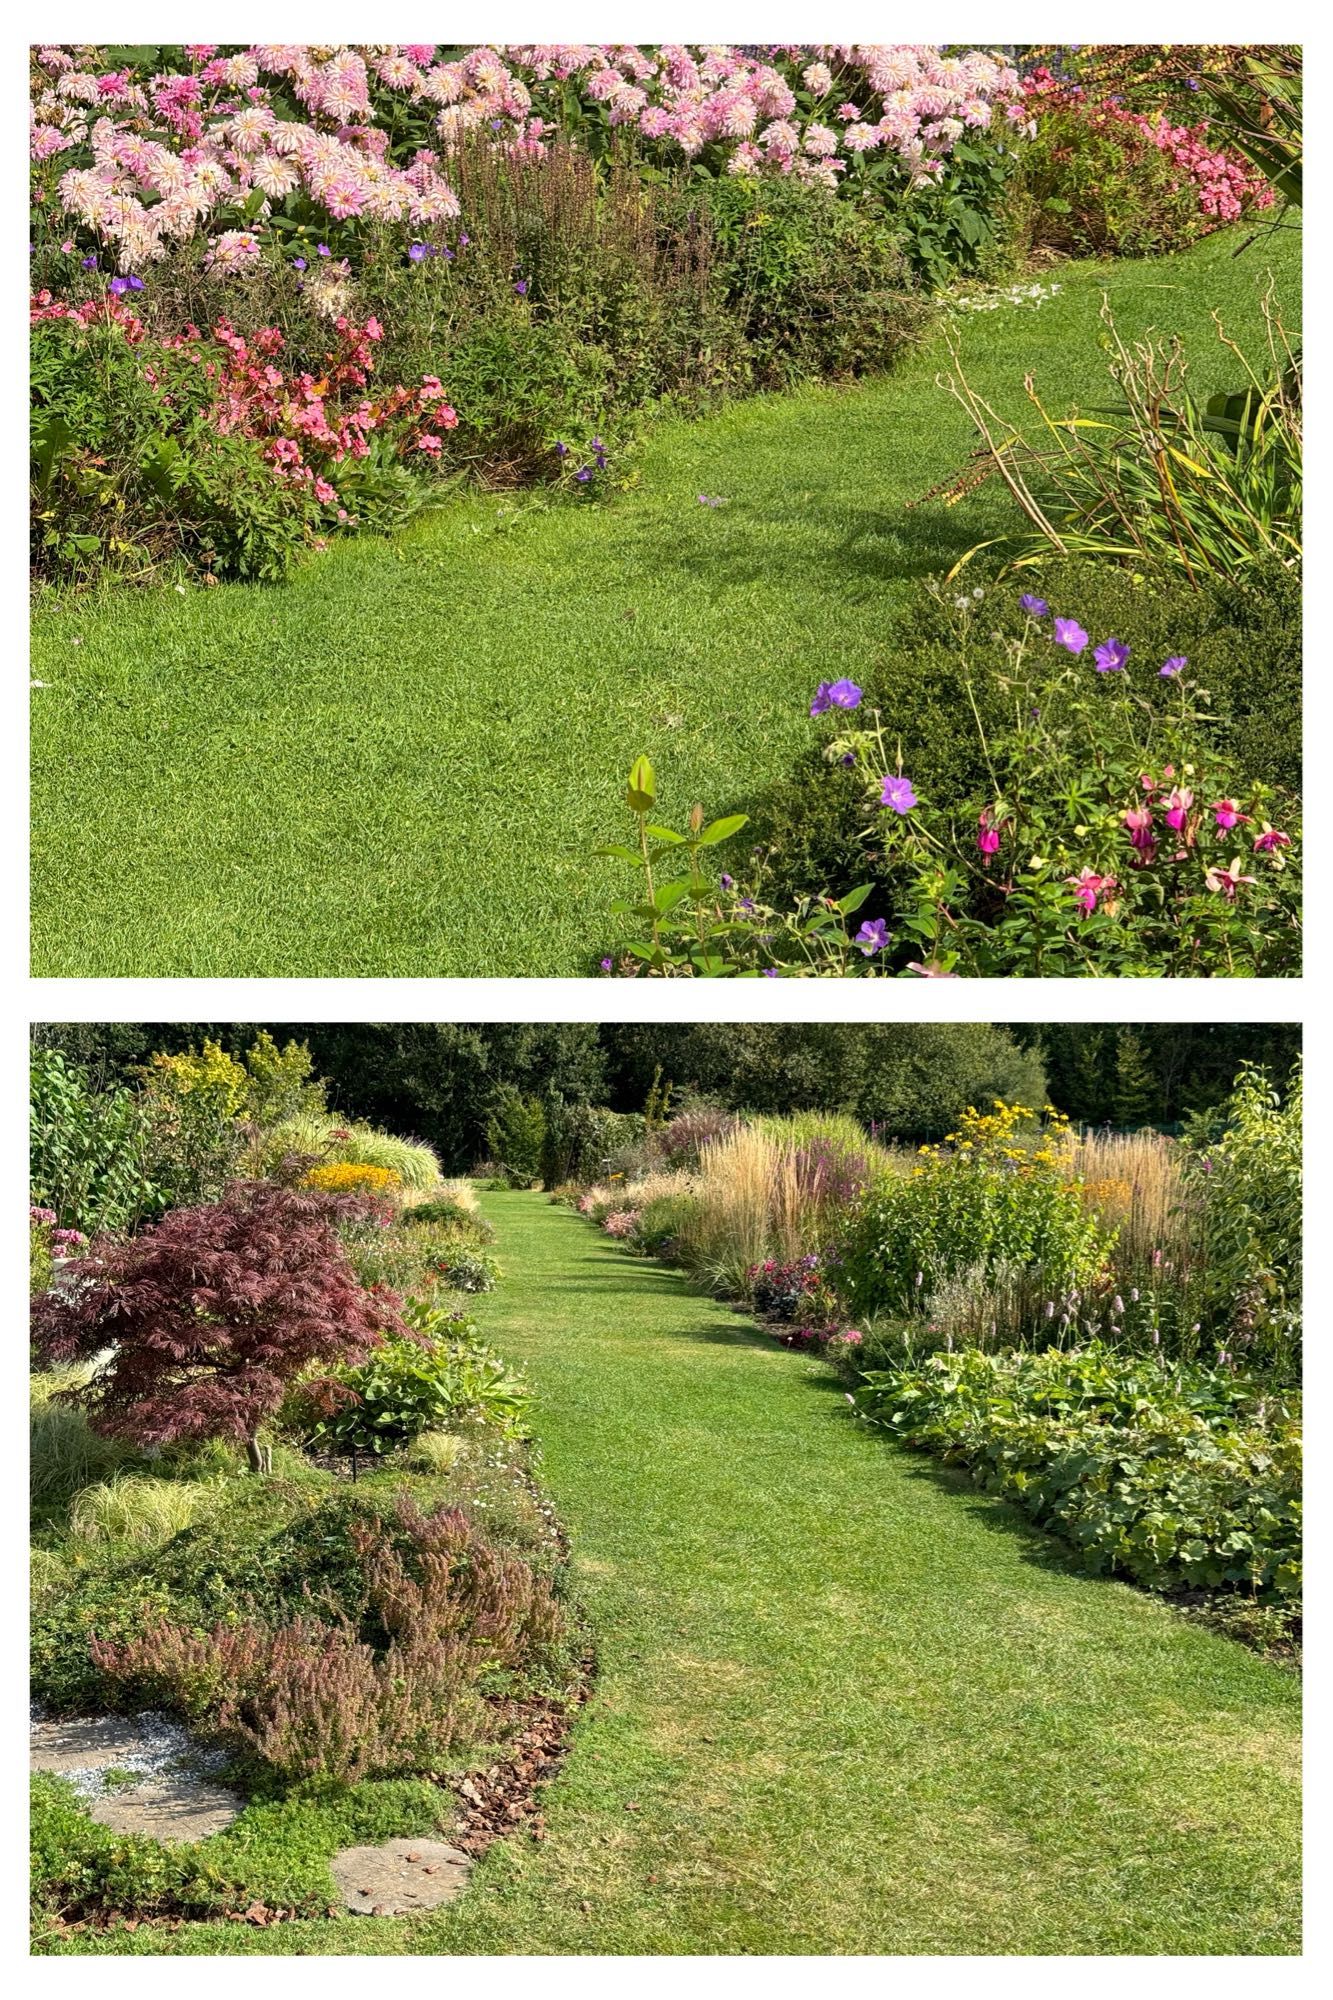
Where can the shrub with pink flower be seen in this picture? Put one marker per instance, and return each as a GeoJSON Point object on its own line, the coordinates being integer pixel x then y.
{"type": "Point", "coordinates": [621, 1223]}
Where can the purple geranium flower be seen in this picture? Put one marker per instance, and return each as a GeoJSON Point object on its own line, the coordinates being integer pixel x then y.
{"type": "Point", "coordinates": [1110, 656]}
{"type": "Point", "coordinates": [522, 288]}
{"type": "Point", "coordinates": [873, 937]}
{"type": "Point", "coordinates": [1070, 634]}
{"type": "Point", "coordinates": [835, 694]}
{"type": "Point", "coordinates": [88, 263]}
{"type": "Point", "coordinates": [770, 972]}
{"type": "Point", "coordinates": [898, 793]}
{"type": "Point", "coordinates": [1170, 668]}
{"type": "Point", "coordinates": [728, 882]}
{"type": "Point", "coordinates": [416, 251]}
{"type": "Point", "coordinates": [583, 475]}
{"type": "Point", "coordinates": [606, 964]}
{"type": "Point", "coordinates": [1036, 607]}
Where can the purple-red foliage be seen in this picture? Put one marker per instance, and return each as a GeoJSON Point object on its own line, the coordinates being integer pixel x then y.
{"type": "Point", "coordinates": [211, 1313]}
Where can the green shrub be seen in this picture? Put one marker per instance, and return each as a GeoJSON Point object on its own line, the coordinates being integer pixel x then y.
{"type": "Point", "coordinates": [661, 1221]}
{"type": "Point", "coordinates": [1175, 1476]}
{"type": "Point", "coordinates": [1248, 1175]}
{"type": "Point", "coordinates": [515, 1135]}
{"type": "Point", "coordinates": [444, 1377]}
{"type": "Point", "coordinates": [81, 1868]}
{"type": "Point", "coordinates": [1099, 187]}
{"type": "Point", "coordinates": [995, 1195]}
{"type": "Point", "coordinates": [90, 1150]}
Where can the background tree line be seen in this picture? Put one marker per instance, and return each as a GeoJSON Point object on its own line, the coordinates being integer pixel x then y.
{"type": "Point", "coordinates": [441, 1080]}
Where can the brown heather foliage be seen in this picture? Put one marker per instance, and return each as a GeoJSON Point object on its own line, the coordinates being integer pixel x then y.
{"type": "Point", "coordinates": [314, 1699]}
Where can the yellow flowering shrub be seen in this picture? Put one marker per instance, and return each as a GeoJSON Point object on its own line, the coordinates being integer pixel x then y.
{"type": "Point", "coordinates": [997, 1194]}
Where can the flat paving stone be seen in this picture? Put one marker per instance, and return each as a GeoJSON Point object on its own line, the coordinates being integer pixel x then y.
{"type": "Point", "coordinates": [399, 1876]}
{"type": "Point", "coordinates": [167, 1808]}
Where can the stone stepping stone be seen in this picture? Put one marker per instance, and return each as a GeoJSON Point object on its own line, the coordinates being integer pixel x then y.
{"type": "Point", "coordinates": [168, 1809]}
{"type": "Point", "coordinates": [172, 1797]}
{"type": "Point", "coordinates": [399, 1876]}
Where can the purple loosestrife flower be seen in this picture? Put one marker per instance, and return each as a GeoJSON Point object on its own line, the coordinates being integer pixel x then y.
{"type": "Point", "coordinates": [1170, 668]}
{"type": "Point", "coordinates": [1110, 656]}
{"type": "Point", "coordinates": [1036, 607]}
{"type": "Point", "coordinates": [835, 694]}
{"type": "Point", "coordinates": [1070, 634]}
{"type": "Point", "coordinates": [898, 793]}
{"type": "Point", "coordinates": [872, 937]}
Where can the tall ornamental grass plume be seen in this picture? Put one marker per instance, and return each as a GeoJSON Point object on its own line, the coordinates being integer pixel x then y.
{"type": "Point", "coordinates": [1134, 1183]}
{"type": "Point", "coordinates": [209, 1314]}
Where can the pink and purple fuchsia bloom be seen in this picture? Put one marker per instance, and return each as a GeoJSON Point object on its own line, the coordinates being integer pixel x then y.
{"type": "Point", "coordinates": [898, 793]}
{"type": "Point", "coordinates": [1270, 840]}
{"type": "Point", "coordinates": [1110, 656]}
{"type": "Point", "coordinates": [835, 694]}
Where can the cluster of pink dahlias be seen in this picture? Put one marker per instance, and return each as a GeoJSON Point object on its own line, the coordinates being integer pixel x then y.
{"type": "Point", "coordinates": [158, 159]}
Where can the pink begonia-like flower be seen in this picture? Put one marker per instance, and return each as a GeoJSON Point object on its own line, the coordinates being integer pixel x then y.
{"type": "Point", "coordinates": [1226, 880]}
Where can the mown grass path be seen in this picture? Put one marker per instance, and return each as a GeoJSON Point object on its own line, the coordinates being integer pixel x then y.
{"type": "Point", "coordinates": [400, 762]}
{"type": "Point", "coordinates": [845, 1703]}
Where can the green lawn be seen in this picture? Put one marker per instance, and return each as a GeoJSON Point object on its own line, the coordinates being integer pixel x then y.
{"type": "Point", "coordinates": [398, 763]}
{"type": "Point", "coordinates": [845, 1703]}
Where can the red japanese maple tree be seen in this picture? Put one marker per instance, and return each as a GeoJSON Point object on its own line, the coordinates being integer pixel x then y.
{"type": "Point", "coordinates": [210, 1314]}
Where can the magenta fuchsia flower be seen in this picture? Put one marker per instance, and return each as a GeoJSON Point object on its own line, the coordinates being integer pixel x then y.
{"type": "Point", "coordinates": [1036, 607]}
{"type": "Point", "coordinates": [1110, 656]}
{"type": "Point", "coordinates": [1070, 634]}
{"type": "Point", "coordinates": [898, 793]}
{"type": "Point", "coordinates": [1137, 823]}
{"type": "Point", "coordinates": [1270, 840]}
{"type": "Point", "coordinates": [1228, 814]}
{"type": "Point", "coordinates": [988, 839]}
{"type": "Point", "coordinates": [835, 694]}
{"type": "Point", "coordinates": [1177, 808]}
{"type": "Point", "coordinates": [1087, 886]}
{"type": "Point", "coordinates": [873, 937]}
{"type": "Point", "coordinates": [1170, 668]}
{"type": "Point", "coordinates": [1226, 881]}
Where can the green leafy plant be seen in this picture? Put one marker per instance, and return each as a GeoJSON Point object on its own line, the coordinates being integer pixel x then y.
{"type": "Point", "coordinates": [1174, 1476]}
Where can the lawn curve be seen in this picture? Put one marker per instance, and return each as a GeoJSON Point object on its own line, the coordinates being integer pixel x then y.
{"type": "Point", "coordinates": [400, 762]}
{"type": "Point", "coordinates": [845, 1703]}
